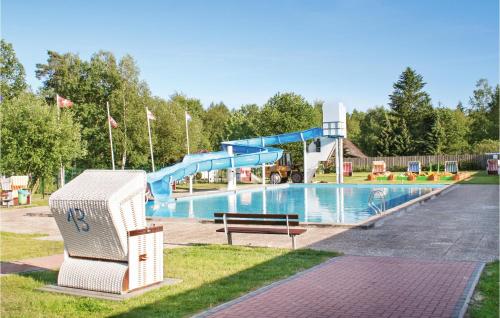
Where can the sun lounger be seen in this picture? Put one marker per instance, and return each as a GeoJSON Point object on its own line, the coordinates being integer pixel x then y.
{"type": "Point", "coordinates": [378, 167]}
{"type": "Point", "coordinates": [493, 166]}
{"type": "Point", "coordinates": [451, 167]}
{"type": "Point", "coordinates": [347, 169]}
{"type": "Point", "coordinates": [108, 246]}
{"type": "Point", "coordinates": [414, 167]}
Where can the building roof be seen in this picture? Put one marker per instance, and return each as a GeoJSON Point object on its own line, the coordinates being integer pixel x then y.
{"type": "Point", "coordinates": [351, 150]}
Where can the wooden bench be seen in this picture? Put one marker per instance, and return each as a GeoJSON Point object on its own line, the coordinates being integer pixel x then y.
{"type": "Point", "coordinates": [287, 221]}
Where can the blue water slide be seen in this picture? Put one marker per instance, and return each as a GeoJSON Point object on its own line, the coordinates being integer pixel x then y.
{"type": "Point", "coordinates": [246, 153]}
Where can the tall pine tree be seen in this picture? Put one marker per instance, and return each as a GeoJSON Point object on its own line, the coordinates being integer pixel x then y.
{"type": "Point", "coordinates": [409, 102]}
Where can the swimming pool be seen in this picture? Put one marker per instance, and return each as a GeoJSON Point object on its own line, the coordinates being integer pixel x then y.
{"type": "Point", "coordinates": [318, 203]}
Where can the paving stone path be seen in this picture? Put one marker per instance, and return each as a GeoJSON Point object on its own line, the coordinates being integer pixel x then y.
{"type": "Point", "coordinates": [358, 286]}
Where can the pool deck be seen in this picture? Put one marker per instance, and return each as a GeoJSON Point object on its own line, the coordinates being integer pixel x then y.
{"type": "Point", "coordinates": [460, 224]}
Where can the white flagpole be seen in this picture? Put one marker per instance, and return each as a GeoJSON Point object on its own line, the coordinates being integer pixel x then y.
{"type": "Point", "coordinates": [110, 138]}
{"type": "Point", "coordinates": [187, 144]}
{"type": "Point", "coordinates": [150, 142]}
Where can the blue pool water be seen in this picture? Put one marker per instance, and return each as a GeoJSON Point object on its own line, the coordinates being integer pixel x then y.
{"type": "Point", "coordinates": [318, 203]}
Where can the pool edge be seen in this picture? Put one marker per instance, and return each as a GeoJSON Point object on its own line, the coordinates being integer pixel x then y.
{"type": "Point", "coordinates": [377, 219]}
{"type": "Point", "coordinates": [366, 224]}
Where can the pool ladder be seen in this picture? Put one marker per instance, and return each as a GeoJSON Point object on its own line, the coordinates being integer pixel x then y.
{"type": "Point", "coordinates": [371, 201]}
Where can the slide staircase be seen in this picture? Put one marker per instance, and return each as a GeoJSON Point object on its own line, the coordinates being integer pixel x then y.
{"type": "Point", "coordinates": [326, 148]}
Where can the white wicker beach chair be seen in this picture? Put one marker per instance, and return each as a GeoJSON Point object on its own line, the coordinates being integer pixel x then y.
{"type": "Point", "coordinates": [108, 246]}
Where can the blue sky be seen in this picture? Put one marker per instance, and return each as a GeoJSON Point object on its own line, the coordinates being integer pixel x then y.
{"type": "Point", "coordinates": [243, 52]}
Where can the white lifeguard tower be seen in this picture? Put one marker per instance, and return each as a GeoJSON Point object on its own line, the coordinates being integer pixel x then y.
{"type": "Point", "coordinates": [334, 126]}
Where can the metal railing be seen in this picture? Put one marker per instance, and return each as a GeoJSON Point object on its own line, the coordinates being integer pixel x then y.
{"type": "Point", "coordinates": [373, 205]}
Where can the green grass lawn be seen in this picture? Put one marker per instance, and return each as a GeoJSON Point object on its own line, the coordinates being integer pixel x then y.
{"type": "Point", "coordinates": [485, 302]}
{"type": "Point", "coordinates": [210, 275]}
{"type": "Point", "coordinates": [477, 177]}
{"type": "Point", "coordinates": [21, 246]}
{"type": "Point", "coordinates": [481, 177]}
{"type": "Point", "coordinates": [201, 186]}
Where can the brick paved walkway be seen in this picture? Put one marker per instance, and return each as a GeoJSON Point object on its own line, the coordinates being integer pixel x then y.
{"type": "Point", "coordinates": [33, 264]}
{"type": "Point", "coordinates": [358, 286]}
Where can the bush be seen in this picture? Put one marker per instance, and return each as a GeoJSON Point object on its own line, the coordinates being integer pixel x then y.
{"type": "Point", "coordinates": [486, 145]}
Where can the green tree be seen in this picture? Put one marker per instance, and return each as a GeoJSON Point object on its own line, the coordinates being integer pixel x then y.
{"type": "Point", "coordinates": [402, 145]}
{"type": "Point", "coordinates": [243, 123]}
{"type": "Point", "coordinates": [287, 112]}
{"type": "Point", "coordinates": [494, 130]}
{"type": "Point", "coordinates": [90, 84]}
{"type": "Point", "coordinates": [215, 120]}
{"type": "Point", "coordinates": [456, 128]}
{"type": "Point", "coordinates": [12, 77]}
{"type": "Point", "coordinates": [410, 102]}
{"type": "Point", "coordinates": [485, 146]}
{"type": "Point", "coordinates": [371, 128]}
{"type": "Point", "coordinates": [35, 139]}
{"type": "Point", "coordinates": [354, 126]}
{"type": "Point", "coordinates": [480, 112]}
{"type": "Point", "coordinates": [198, 139]}
{"type": "Point", "coordinates": [128, 109]}
{"type": "Point", "coordinates": [385, 142]}
{"type": "Point", "coordinates": [435, 137]}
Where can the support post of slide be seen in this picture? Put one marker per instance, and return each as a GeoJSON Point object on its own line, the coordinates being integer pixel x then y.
{"type": "Point", "coordinates": [305, 161]}
{"type": "Point", "coordinates": [263, 144]}
{"type": "Point", "coordinates": [191, 184]}
{"type": "Point", "coordinates": [231, 172]}
{"type": "Point", "coordinates": [263, 174]}
{"type": "Point", "coordinates": [341, 160]}
{"type": "Point", "coordinates": [337, 161]}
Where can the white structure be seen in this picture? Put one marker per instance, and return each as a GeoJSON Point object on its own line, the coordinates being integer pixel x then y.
{"type": "Point", "coordinates": [108, 246]}
{"type": "Point", "coordinates": [334, 126]}
{"type": "Point", "coordinates": [326, 146]}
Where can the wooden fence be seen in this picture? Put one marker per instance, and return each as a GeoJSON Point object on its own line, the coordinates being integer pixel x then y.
{"type": "Point", "coordinates": [465, 162]}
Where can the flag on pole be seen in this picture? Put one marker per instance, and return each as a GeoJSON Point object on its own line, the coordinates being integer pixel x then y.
{"type": "Point", "coordinates": [63, 102]}
{"type": "Point", "coordinates": [113, 122]}
{"type": "Point", "coordinates": [188, 117]}
{"type": "Point", "coordinates": [150, 115]}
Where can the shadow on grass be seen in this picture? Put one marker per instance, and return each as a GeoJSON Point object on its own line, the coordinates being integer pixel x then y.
{"type": "Point", "coordinates": [43, 276]}
{"type": "Point", "coordinates": [229, 287]}
{"type": "Point", "coordinates": [19, 268]}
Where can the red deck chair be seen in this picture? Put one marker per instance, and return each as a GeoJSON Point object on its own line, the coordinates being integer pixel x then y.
{"type": "Point", "coordinates": [347, 169]}
{"type": "Point", "coordinates": [492, 166]}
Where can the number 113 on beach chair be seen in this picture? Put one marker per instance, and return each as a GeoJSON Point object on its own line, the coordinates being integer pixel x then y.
{"type": "Point", "coordinates": [108, 246]}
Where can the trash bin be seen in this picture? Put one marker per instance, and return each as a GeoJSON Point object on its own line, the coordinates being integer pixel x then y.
{"type": "Point", "coordinates": [22, 197]}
